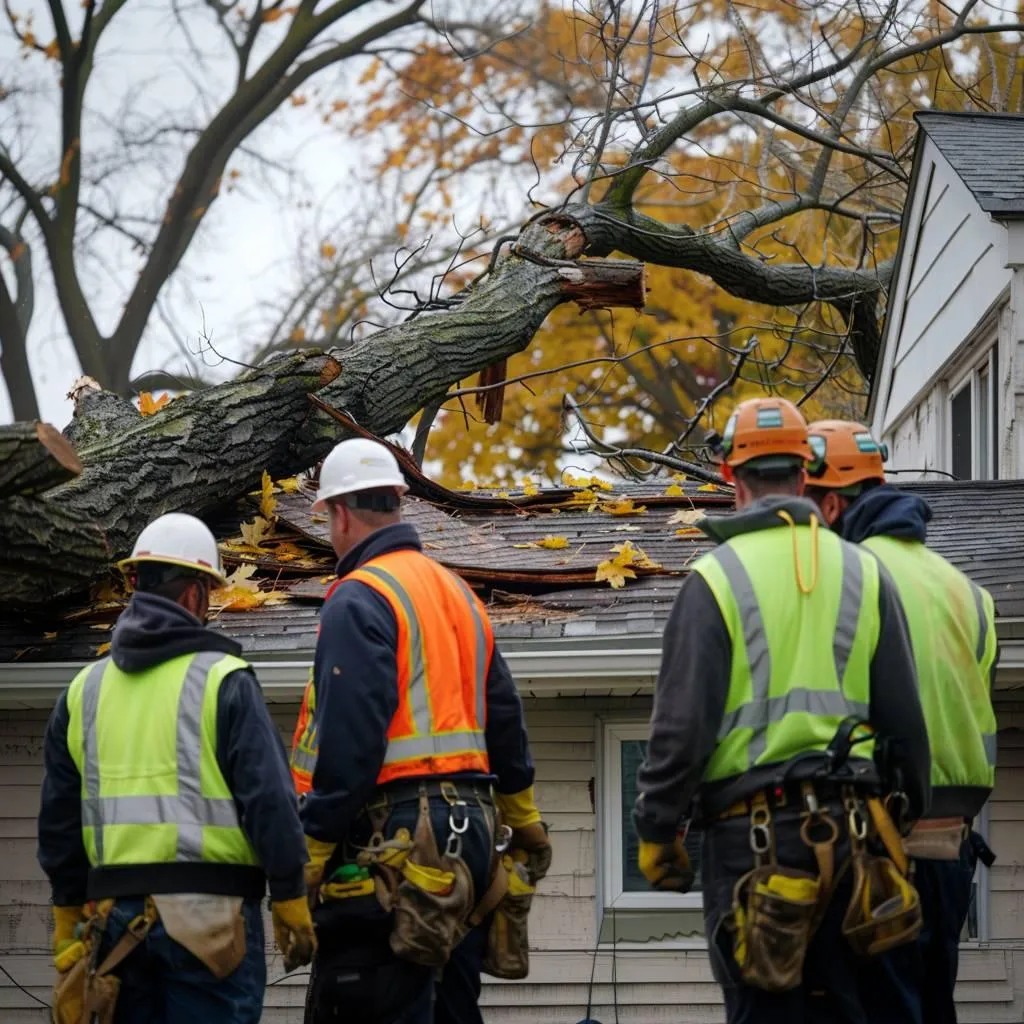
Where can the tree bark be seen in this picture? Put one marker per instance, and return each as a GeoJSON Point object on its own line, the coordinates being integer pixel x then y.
{"type": "Point", "coordinates": [46, 551]}
{"type": "Point", "coordinates": [34, 458]}
{"type": "Point", "coordinates": [207, 448]}
{"type": "Point", "coordinates": [14, 366]}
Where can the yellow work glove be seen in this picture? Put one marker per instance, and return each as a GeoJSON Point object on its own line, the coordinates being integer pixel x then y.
{"type": "Point", "coordinates": [666, 865]}
{"type": "Point", "coordinates": [68, 948]}
{"type": "Point", "coordinates": [293, 931]}
{"type": "Point", "coordinates": [319, 854]}
{"type": "Point", "coordinates": [519, 811]}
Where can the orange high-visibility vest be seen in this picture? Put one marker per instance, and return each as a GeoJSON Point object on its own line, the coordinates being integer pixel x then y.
{"type": "Point", "coordinates": [303, 759]}
{"type": "Point", "coordinates": [445, 646]}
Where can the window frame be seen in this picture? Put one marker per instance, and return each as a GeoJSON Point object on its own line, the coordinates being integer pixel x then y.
{"type": "Point", "coordinates": [983, 881]}
{"type": "Point", "coordinates": [970, 377]}
{"type": "Point", "coordinates": [614, 897]}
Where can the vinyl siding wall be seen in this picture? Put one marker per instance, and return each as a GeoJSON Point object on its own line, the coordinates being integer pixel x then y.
{"type": "Point", "coordinates": [656, 985]}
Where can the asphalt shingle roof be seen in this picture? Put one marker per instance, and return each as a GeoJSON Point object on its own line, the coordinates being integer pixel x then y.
{"type": "Point", "coordinates": [538, 594]}
{"type": "Point", "coordinates": [986, 151]}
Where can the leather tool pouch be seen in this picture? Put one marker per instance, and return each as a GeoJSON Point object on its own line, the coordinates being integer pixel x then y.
{"type": "Point", "coordinates": [885, 909]}
{"type": "Point", "coordinates": [775, 912]}
{"type": "Point", "coordinates": [507, 954]}
{"type": "Point", "coordinates": [432, 899]}
{"type": "Point", "coordinates": [91, 991]}
{"type": "Point", "coordinates": [211, 928]}
{"type": "Point", "coordinates": [936, 839]}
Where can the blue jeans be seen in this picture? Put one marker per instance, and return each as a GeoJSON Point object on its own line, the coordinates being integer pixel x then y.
{"type": "Point", "coordinates": [163, 983]}
{"type": "Point", "coordinates": [914, 984]}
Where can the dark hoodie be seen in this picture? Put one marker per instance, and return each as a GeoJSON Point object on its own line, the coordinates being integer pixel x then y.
{"type": "Point", "coordinates": [885, 511]}
{"type": "Point", "coordinates": [693, 685]}
{"type": "Point", "coordinates": [152, 630]}
{"type": "Point", "coordinates": [355, 678]}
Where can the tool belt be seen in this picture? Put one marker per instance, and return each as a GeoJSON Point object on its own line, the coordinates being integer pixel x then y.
{"type": "Point", "coordinates": [776, 909]}
{"type": "Point", "coordinates": [937, 838]}
{"type": "Point", "coordinates": [87, 993]}
{"type": "Point", "coordinates": [430, 893]}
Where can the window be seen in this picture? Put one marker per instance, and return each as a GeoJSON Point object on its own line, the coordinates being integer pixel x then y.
{"type": "Point", "coordinates": [977, 926]}
{"type": "Point", "coordinates": [623, 747]}
{"type": "Point", "coordinates": [974, 422]}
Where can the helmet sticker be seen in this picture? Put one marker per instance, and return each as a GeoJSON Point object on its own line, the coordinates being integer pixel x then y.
{"type": "Point", "coordinates": [767, 418]}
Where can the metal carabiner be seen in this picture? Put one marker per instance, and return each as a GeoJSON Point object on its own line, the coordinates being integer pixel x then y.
{"type": "Point", "coordinates": [504, 839]}
{"type": "Point", "coordinates": [461, 827]}
{"type": "Point", "coordinates": [760, 831]}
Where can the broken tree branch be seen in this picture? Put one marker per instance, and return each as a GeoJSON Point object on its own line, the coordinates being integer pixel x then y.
{"type": "Point", "coordinates": [34, 458]}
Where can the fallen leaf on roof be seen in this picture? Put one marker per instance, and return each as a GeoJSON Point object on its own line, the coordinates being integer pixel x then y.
{"type": "Point", "coordinates": [614, 573]}
{"type": "Point", "coordinates": [100, 625]}
{"type": "Point", "coordinates": [626, 528]}
{"type": "Point", "coordinates": [583, 499]}
{"type": "Point", "coordinates": [504, 494]}
{"type": "Point", "coordinates": [267, 500]}
{"type": "Point", "coordinates": [553, 543]}
{"type": "Point", "coordinates": [618, 569]}
{"type": "Point", "coordinates": [149, 405]}
{"type": "Point", "coordinates": [708, 487]}
{"type": "Point", "coordinates": [529, 488]}
{"type": "Point", "coordinates": [467, 485]}
{"type": "Point", "coordinates": [102, 649]}
{"type": "Point", "coordinates": [550, 542]}
{"type": "Point", "coordinates": [289, 485]}
{"type": "Point", "coordinates": [636, 555]}
{"type": "Point", "coordinates": [674, 491]}
{"type": "Point", "coordinates": [50, 636]}
{"type": "Point", "coordinates": [256, 531]}
{"type": "Point", "coordinates": [242, 593]}
{"type": "Point", "coordinates": [601, 485]}
{"type": "Point", "coordinates": [679, 476]}
{"type": "Point", "coordinates": [685, 517]}
{"type": "Point", "coordinates": [623, 507]}
{"type": "Point", "coordinates": [689, 531]}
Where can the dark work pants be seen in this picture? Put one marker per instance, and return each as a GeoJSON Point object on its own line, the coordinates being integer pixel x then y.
{"type": "Point", "coordinates": [829, 991]}
{"type": "Point", "coordinates": [914, 984]}
{"type": "Point", "coordinates": [356, 979]}
{"type": "Point", "coordinates": [163, 983]}
{"type": "Point", "coordinates": [458, 989]}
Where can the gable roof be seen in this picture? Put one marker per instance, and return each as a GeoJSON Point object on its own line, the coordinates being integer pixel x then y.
{"type": "Point", "coordinates": [539, 595]}
{"type": "Point", "coordinates": [986, 151]}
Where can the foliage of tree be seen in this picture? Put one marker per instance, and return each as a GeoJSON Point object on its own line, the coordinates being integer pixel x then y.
{"type": "Point", "coordinates": [756, 155]}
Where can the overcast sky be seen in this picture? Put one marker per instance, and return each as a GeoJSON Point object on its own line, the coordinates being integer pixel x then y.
{"type": "Point", "coordinates": [244, 253]}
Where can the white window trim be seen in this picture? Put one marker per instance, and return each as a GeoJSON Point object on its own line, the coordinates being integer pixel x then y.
{"type": "Point", "coordinates": [610, 818]}
{"type": "Point", "coordinates": [967, 376]}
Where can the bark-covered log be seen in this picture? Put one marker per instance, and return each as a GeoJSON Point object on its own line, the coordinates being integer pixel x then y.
{"type": "Point", "coordinates": [206, 448]}
{"type": "Point", "coordinates": [46, 551]}
{"type": "Point", "coordinates": [98, 415]}
{"type": "Point", "coordinates": [34, 458]}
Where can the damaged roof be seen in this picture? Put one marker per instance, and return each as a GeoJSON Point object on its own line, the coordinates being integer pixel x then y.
{"type": "Point", "coordinates": [544, 562]}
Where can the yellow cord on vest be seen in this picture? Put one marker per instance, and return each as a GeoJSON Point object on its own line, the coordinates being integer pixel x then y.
{"type": "Point", "coordinates": [804, 589]}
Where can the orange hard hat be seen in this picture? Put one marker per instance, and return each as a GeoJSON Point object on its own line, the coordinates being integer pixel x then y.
{"type": "Point", "coordinates": [771, 430]}
{"type": "Point", "coordinates": [844, 454]}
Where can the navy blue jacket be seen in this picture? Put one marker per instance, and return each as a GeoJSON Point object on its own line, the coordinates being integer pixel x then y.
{"type": "Point", "coordinates": [251, 756]}
{"type": "Point", "coordinates": [355, 680]}
{"type": "Point", "coordinates": [884, 511]}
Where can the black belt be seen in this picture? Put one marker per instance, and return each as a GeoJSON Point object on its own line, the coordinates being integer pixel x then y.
{"type": "Point", "coordinates": [781, 797]}
{"type": "Point", "coordinates": [448, 789]}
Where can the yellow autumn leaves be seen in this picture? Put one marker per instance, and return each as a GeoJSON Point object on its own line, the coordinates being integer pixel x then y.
{"type": "Point", "coordinates": [628, 558]}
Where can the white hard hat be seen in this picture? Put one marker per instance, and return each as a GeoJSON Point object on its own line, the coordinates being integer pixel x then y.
{"type": "Point", "coordinates": [178, 539]}
{"type": "Point", "coordinates": [357, 465]}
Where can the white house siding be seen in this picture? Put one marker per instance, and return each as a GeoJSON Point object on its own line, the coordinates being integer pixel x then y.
{"type": "Point", "coordinates": [653, 986]}
{"type": "Point", "coordinates": [953, 271]}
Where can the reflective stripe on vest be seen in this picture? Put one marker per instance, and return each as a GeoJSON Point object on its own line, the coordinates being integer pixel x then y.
{"type": "Point", "coordinates": [188, 809]}
{"type": "Point", "coordinates": [790, 699]}
{"type": "Point", "coordinates": [952, 633]}
{"type": "Point", "coordinates": [304, 742]}
{"type": "Point", "coordinates": [427, 743]}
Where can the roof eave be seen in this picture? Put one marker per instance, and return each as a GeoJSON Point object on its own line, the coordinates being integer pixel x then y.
{"type": "Point", "coordinates": [541, 668]}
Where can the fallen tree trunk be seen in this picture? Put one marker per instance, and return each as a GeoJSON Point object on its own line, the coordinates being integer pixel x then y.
{"type": "Point", "coordinates": [207, 448]}
{"type": "Point", "coordinates": [34, 458]}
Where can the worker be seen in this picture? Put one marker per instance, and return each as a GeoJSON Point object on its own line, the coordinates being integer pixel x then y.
{"type": "Point", "coordinates": [410, 738]}
{"type": "Point", "coordinates": [781, 640]}
{"type": "Point", "coordinates": [167, 805]}
{"type": "Point", "coordinates": [953, 636]}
